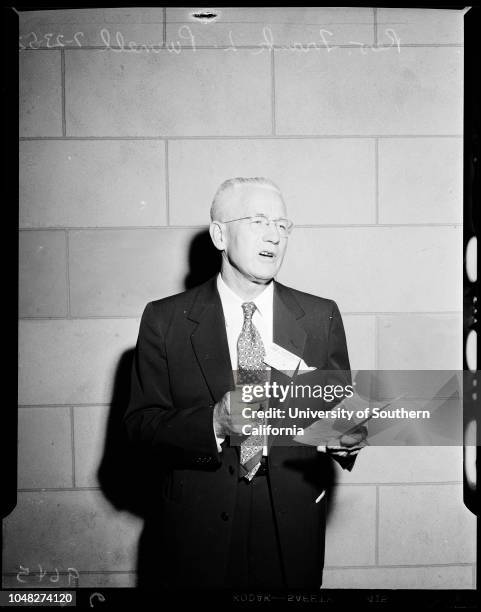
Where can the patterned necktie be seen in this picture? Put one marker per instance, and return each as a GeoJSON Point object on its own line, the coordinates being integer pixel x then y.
{"type": "Point", "coordinates": [251, 370]}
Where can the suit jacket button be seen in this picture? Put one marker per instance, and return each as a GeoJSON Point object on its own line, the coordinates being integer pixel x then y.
{"type": "Point", "coordinates": [224, 516]}
{"type": "Point", "coordinates": [231, 469]}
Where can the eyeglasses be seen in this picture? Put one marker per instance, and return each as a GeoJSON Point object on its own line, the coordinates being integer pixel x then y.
{"type": "Point", "coordinates": [260, 223]}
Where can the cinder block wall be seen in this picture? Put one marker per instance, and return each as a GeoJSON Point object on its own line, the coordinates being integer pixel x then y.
{"type": "Point", "coordinates": [120, 153]}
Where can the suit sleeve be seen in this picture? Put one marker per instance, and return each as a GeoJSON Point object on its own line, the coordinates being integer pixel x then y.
{"type": "Point", "coordinates": [338, 364]}
{"type": "Point", "coordinates": [184, 435]}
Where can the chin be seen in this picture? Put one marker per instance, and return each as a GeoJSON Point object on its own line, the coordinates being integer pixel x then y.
{"type": "Point", "coordinates": [264, 277]}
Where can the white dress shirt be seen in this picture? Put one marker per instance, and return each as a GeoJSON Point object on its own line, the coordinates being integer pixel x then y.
{"type": "Point", "coordinates": [263, 319]}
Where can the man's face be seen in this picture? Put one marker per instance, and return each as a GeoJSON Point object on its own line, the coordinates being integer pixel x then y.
{"type": "Point", "coordinates": [255, 253]}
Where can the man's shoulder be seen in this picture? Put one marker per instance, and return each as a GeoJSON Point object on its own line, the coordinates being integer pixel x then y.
{"type": "Point", "coordinates": [183, 297]}
{"type": "Point", "coordinates": [307, 301]}
{"type": "Point", "coordinates": [184, 301]}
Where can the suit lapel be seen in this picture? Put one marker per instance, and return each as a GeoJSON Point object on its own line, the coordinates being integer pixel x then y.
{"type": "Point", "coordinates": [209, 340]}
{"type": "Point", "coordinates": [289, 334]}
{"type": "Point", "coordinates": [287, 312]}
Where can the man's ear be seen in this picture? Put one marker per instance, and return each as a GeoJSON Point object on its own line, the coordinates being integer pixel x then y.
{"type": "Point", "coordinates": [217, 234]}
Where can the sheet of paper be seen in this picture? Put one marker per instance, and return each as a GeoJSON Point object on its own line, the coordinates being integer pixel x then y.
{"type": "Point", "coordinates": [304, 368]}
{"type": "Point", "coordinates": [281, 359]}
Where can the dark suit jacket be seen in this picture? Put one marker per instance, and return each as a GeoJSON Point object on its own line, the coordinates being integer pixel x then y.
{"type": "Point", "coordinates": [181, 369]}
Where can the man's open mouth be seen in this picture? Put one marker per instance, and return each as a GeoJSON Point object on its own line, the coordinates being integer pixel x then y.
{"type": "Point", "coordinates": [268, 254]}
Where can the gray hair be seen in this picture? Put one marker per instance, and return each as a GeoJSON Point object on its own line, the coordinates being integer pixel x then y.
{"type": "Point", "coordinates": [236, 183]}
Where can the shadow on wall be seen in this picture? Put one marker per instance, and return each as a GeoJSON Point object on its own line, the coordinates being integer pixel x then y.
{"type": "Point", "coordinates": [130, 476]}
{"type": "Point", "coordinates": [204, 260]}
{"type": "Point", "coordinates": [126, 474]}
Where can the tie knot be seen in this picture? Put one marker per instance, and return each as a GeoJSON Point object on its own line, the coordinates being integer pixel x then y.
{"type": "Point", "coordinates": [248, 308]}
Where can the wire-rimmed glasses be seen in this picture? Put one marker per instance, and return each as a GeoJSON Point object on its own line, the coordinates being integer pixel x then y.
{"type": "Point", "coordinates": [260, 223]}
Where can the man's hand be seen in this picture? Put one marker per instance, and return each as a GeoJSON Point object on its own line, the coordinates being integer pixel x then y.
{"type": "Point", "coordinates": [228, 417]}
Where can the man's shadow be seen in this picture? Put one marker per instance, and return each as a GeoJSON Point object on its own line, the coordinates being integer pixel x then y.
{"type": "Point", "coordinates": [129, 474]}
{"type": "Point", "coordinates": [204, 260]}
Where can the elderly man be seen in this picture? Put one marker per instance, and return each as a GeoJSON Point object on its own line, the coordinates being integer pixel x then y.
{"type": "Point", "coordinates": [234, 511]}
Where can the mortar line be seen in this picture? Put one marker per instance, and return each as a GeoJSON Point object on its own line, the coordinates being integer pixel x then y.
{"type": "Point", "coordinates": [84, 572]}
{"type": "Point", "coordinates": [58, 489]}
{"type": "Point", "coordinates": [167, 184]}
{"type": "Point", "coordinates": [394, 566]}
{"type": "Point", "coordinates": [376, 178]}
{"type": "Point", "coordinates": [375, 26]}
{"type": "Point", "coordinates": [422, 45]}
{"type": "Point", "coordinates": [67, 270]}
{"type": "Point", "coordinates": [44, 318]}
{"type": "Point", "coordinates": [364, 566]}
{"type": "Point", "coordinates": [401, 483]}
{"type": "Point", "coordinates": [376, 342]}
{"type": "Point", "coordinates": [273, 92]}
{"type": "Point", "coordinates": [47, 573]}
{"type": "Point", "coordinates": [81, 572]}
{"type": "Point", "coordinates": [246, 137]}
{"type": "Point", "coordinates": [62, 77]}
{"type": "Point", "coordinates": [72, 432]}
{"type": "Point", "coordinates": [83, 318]}
{"type": "Point", "coordinates": [398, 312]}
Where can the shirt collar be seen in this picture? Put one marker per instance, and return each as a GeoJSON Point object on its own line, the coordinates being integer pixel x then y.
{"type": "Point", "coordinates": [263, 301]}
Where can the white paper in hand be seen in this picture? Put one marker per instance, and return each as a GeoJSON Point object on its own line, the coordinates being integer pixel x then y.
{"type": "Point", "coordinates": [283, 360]}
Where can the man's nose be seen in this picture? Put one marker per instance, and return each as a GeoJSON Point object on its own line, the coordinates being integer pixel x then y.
{"type": "Point", "coordinates": [272, 233]}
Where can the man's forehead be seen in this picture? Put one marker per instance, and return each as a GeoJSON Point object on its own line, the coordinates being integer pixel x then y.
{"type": "Point", "coordinates": [256, 199]}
